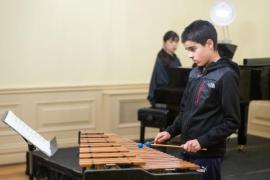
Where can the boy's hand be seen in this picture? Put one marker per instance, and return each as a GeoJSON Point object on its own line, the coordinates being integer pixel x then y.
{"type": "Point", "coordinates": [192, 145]}
{"type": "Point", "coordinates": [162, 137]}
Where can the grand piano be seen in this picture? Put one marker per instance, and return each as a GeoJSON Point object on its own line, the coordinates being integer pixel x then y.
{"type": "Point", "coordinates": [254, 85]}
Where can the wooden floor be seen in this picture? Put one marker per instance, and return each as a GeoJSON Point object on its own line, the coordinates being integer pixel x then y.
{"type": "Point", "coordinates": [14, 172]}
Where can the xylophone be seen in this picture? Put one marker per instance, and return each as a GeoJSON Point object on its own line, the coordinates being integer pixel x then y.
{"type": "Point", "coordinates": [109, 156]}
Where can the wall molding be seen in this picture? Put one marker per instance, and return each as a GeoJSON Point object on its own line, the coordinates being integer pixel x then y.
{"type": "Point", "coordinates": [69, 88]}
{"type": "Point", "coordinates": [259, 118]}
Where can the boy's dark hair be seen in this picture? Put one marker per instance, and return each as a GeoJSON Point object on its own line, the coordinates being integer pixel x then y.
{"type": "Point", "coordinates": [170, 35]}
{"type": "Point", "coordinates": [200, 31]}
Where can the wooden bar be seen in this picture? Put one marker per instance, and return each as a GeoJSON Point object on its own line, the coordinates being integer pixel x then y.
{"type": "Point", "coordinates": [94, 136]}
{"type": "Point", "coordinates": [103, 149]}
{"type": "Point", "coordinates": [98, 140]}
{"type": "Point", "coordinates": [99, 145]}
{"type": "Point", "coordinates": [106, 155]}
{"type": "Point", "coordinates": [120, 161]}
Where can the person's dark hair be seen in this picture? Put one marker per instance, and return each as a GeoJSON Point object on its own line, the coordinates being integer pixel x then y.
{"type": "Point", "coordinates": [170, 35]}
{"type": "Point", "coordinates": [200, 31]}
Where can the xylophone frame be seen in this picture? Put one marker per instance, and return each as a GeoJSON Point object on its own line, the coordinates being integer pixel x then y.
{"type": "Point", "coordinates": [138, 173]}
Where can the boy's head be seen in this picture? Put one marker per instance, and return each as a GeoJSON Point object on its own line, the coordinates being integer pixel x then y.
{"type": "Point", "coordinates": [170, 41]}
{"type": "Point", "coordinates": [200, 40]}
{"type": "Point", "coordinates": [171, 35]}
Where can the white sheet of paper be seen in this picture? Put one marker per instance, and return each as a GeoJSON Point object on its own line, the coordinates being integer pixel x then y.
{"type": "Point", "coordinates": [27, 132]}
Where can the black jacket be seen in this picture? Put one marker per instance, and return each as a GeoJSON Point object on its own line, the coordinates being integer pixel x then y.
{"type": "Point", "coordinates": [209, 110]}
{"type": "Point", "coordinates": [160, 76]}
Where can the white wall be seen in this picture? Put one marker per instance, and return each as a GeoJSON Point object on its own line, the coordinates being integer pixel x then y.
{"type": "Point", "coordinates": [92, 42]}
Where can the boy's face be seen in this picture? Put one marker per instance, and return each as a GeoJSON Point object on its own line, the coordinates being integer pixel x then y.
{"type": "Point", "coordinates": [170, 46]}
{"type": "Point", "coordinates": [200, 54]}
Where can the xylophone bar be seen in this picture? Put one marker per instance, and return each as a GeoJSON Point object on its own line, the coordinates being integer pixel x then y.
{"type": "Point", "coordinates": [106, 155]}
{"type": "Point", "coordinates": [97, 140]}
{"type": "Point", "coordinates": [103, 149]}
{"type": "Point", "coordinates": [83, 132]}
{"type": "Point", "coordinates": [93, 136]}
{"type": "Point", "coordinates": [99, 145]}
{"type": "Point", "coordinates": [109, 161]}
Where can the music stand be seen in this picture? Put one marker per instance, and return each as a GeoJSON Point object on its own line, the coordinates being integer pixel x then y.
{"type": "Point", "coordinates": [33, 139]}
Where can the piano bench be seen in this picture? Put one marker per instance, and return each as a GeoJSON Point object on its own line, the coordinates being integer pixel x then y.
{"type": "Point", "coordinates": [152, 117]}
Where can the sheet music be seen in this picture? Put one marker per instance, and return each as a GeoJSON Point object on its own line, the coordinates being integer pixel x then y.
{"type": "Point", "coordinates": [28, 133]}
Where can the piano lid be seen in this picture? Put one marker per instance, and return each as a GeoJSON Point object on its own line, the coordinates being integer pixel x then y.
{"type": "Point", "coordinates": [256, 61]}
{"type": "Point", "coordinates": [178, 77]}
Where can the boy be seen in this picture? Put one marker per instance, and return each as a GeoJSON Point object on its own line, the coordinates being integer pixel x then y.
{"type": "Point", "coordinates": [209, 110]}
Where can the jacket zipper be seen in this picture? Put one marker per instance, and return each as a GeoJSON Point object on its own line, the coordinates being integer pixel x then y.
{"type": "Point", "coordinates": [197, 101]}
{"type": "Point", "coordinates": [196, 98]}
{"type": "Point", "coordinates": [186, 124]}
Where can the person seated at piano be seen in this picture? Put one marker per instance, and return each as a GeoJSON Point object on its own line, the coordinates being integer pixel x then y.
{"type": "Point", "coordinates": [210, 109]}
{"type": "Point", "coordinates": [166, 58]}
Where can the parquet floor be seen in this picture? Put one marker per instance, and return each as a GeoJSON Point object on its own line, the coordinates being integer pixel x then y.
{"type": "Point", "coordinates": [14, 172]}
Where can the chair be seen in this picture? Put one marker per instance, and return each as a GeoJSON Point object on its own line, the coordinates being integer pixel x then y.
{"type": "Point", "coordinates": [153, 117]}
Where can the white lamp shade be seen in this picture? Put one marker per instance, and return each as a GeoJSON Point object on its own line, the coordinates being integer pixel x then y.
{"type": "Point", "coordinates": [222, 13]}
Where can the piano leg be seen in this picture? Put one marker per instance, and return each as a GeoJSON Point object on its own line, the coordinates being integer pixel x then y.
{"type": "Point", "coordinates": [142, 132]}
{"type": "Point", "coordinates": [242, 131]}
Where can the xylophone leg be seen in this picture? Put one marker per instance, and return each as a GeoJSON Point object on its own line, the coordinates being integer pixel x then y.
{"type": "Point", "coordinates": [31, 148]}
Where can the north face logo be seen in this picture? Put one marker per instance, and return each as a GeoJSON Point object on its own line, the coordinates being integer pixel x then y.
{"type": "Point", "coordinates": [211, 85]}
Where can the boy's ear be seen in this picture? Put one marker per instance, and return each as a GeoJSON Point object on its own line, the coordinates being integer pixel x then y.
{"type": "Point", "coordinates": [210, 43]}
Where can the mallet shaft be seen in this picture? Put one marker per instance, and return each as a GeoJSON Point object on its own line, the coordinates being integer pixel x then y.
{"type": "Point", "coordinates": [172, 146]}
